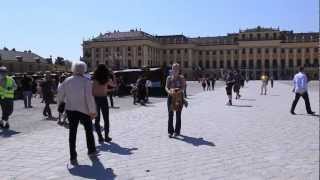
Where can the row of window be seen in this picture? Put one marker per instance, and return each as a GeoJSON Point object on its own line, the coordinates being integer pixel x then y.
{"type": "Point", "coordinates": [214, 52]}
{"type": "Point", "coordinates": [266, 36]}
{"type": "Point", "coordinates": [244, 50]}
{"type": "Point", "coordinates": [275, 64]}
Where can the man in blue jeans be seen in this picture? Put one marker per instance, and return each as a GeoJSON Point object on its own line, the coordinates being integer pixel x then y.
{"type": "Point", "coordinates": [26, 85]}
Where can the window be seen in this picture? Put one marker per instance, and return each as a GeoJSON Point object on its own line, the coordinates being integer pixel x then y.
{"type": "Point", "coordinates": [208, 52]}
{"type": "Point", "coordinates": [290, 63]}
{"type": "Point", "coordinates": [235, 51]}
{"type": "Point", "coordinates": [307, 63]}
{"type": "Point", "coordinates": [0, 57]}
{"type": "Point", "coordinates": [214, 52]}
{"type": "Point", "coordinates": [97, 49]}
{"type": "Point", "coordinates": [221, 64]}
{"type": "Point", "coordinates": [267, 36]}
{"type": "Point", "coordinates": [107, 49]}
{"type": "Point", "coordinates": [221, 52]}
{"type": "Point", "coordinates": [129, 49]}
{"type": "Point", "coordinates": [243, 51]}
{"type": "Point", "coordinates": [200, 52]}
{"type": "Point", "coordinates": [250, 51]}
{"type": "Point", "coordinates": [243, 64]}
{"type": "Point", "coordinates": [185, 51]}
{"type": "Point", "coordinates": [207, 64]}
{"type": "Point", "coordinates": [129, 63]}
{"type": "Point", "coordinates": [259, 64]}
{"type": "Point", "coordinates": [171, 51]}
{"type": "Point", "coordinates": [259, 36]}
{"type": "Point", "coordinates": [97, 62]}
{"type": "Point", "coordinates": [259, 50]}
{"type": "Point", "coordinates": [200, 64]}
{"type": "Point", "coordinates": [266, 50]}
{"type": "Point", "coordinates": [251, 64]}
{"type": "Point", "coordinates": [290, 50]}
{"type": "Point", "coordinates": [228, 64]}
{"type": "Point", "coordinates": [178, 51]}
{"type": "Point", "coordinates": [299, 62]}
{"type": "Point", "coordinates": [283, 63]}
{"type": "Point", "coordinates": [274, 50]}
{"type": "Point", "coordinates": [274, 35]}
{"type": "Point", "coordinates": [164, 51]}
{"type": "Point", "coordinates": [118, 49]}
{"type": "Point", "coordinates": [250, 36]}
{"type": "Point", "coordinates": [139, 63]}
{"type": "Point", "coordinates": [315, 49]}
{"type": "Point", "coordinates": [214, 64]}
{"type": "Point", "coordinates": [236, 63]}
{"type": "Point", "coordinates": [307, 50]}
{"type": "Point", "coordinates": [186, 64]}
{"type": "Point", "coordinates": [243, 36]}
{"type": "Point", "coordinates": [315, 62]}
{"type": "Point", "coordinates": [266, 63]}
{"type": "Point", "coordinates": [299, 50]}
{"type": "Point", "coordinates": [129, 54]}
{"type": "Point", "coordinates": [228, 51]}
{"type": "Point", "coordinates": [282, 50]}
{"type": "Point", "coordinates": [106, 63]}
{"type": "Point", "coordinates": [274, 63]}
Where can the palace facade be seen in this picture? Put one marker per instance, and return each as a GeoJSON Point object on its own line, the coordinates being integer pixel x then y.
{"type": "Point", "coordinates": [252, 51]}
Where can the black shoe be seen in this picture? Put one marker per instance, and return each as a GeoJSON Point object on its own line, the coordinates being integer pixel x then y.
{"type": "Point", "coordinates": [176, 134]}
{"type": "Point", "coordinates": [93, 154]}
{"type": "Point", "coordinates": [107, 139]}
{"type": "Point", "coordinates": [74, 162]}
{"type": "Point", "coordinates": [311, 113]}
{"type": "Point", "coordinates": [101, 140]}
{"type": "Point", "coordinates": [7, 126]}
{"type": "Point", "coordinates": [170, 135]}
{"type": "Point", "coordinates": [293, 113]}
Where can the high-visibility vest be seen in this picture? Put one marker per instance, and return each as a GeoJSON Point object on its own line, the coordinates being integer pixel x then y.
{"type": "Point", "coordinates": [7, 91]}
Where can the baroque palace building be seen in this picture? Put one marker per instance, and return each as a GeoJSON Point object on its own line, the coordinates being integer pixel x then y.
{"type": "Point", "coordinates": [252, 51]}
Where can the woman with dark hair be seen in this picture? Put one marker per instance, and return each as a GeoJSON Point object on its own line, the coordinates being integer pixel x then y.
{"type": "Point", "coordinates": [102, 81]}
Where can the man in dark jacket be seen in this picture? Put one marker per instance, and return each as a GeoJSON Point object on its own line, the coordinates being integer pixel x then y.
{"type": "Point", "coordinates": [47, 92]}
{"type": "Point", "coordinates": [26, 86]}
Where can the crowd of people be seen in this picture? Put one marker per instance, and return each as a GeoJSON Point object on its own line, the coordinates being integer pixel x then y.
{"type": "Point", "coordinates": [81, 98]}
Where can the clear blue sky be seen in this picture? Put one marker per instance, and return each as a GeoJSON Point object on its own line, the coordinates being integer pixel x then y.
{"type": "Point", "coordinates": [57, 27]}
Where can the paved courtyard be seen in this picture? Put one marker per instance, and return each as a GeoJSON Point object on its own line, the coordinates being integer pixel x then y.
{"type": "Point", "coordinates": [256, 139]}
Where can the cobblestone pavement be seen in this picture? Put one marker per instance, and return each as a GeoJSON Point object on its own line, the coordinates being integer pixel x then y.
{"type": "Point", "coordinates": [257, 138]}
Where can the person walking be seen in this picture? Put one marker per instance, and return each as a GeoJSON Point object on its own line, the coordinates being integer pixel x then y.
{"type": "Point", "coordinates": [203, 83]}
{"type": "Point", "coordinates": [300, 83]}
{"type": "Point", "coordinates": [229, 83]}
{"type": "Point", "coordinates": [102, 80]}
{"type": "Point", "coordinates": [47, 93]}
{"type": "Point", "coordinates": [7, 88]}
{"type": "Point", "coordinates": [80, 107]}
{"type": "Point", "coordinates": [213, 81]}
{"type": "Point", "coordinates": [26, 86]}
{"type": "Point", "coordinates": [237, 84]}
{"type": "Point", "coordinates": [264, 79]}
{"type": "Point", "coordinates": [271, 81]}
{"type": "Point", "coordinates": [174, 87]}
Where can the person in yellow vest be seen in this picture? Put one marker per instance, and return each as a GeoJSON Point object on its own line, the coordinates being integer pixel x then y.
{"type": "Point", "coordinates": [7, 88]}
{"type": "Point", "coordinates": [264, 79]}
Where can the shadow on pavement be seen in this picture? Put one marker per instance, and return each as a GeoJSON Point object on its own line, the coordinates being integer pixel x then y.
{"type": "Point", "coordinates": [96, 171]}
{"type": "Point", "coordinates": [116, 148]}
{"type": "Point", "coordinates": [312, 115]}
{"type": "Point", "coordinates": [6, 133]}
{"type": "Point", "coordinates": [195, 141]}
{"type": "Point", "coordinates": [247, 99]}
{"type": "Point", "coordinates": [274, 95]}
{"type": "Point", "coordinates": [242, 105]}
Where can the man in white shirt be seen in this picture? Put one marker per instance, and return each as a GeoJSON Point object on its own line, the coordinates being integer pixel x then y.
{"type": "Point", "coordinates": [300, 82]}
